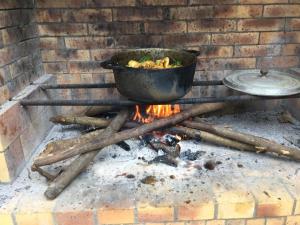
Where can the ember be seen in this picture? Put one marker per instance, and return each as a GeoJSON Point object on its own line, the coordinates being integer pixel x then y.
{"type": "Point", "coordinates": [155, 111]}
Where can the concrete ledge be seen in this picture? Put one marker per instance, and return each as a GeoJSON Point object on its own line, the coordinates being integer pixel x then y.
{"type": "Point", "coordinates": [22, 129]}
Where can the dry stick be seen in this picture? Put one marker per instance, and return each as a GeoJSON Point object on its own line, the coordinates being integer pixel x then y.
{"type": "Point", "coordinates": [44, 173]}
{"type": "Point", "coordinates": [261, 144]}
{"type": "Point", "coordinates": [86, 120]}
{"type": "Point", "coordinates": [96, 110]}
{"type": "Point", "coordinates": [130, 133]}
{"type": "Point", "coordinates": [83, 120]}
{"type": "Point", "coordinates": [61, 145]}
{"type": "Point", "coordinates": [80, 164]}
{"type": "Point", "coordinates": [212, 138]}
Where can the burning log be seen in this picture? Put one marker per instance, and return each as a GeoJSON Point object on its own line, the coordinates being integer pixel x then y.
{"type": "Point", "coordinates": [80, 164]}
{"type": "Point", "coordinates": [212, 138]}
{"type": "Point", "coordinates": [260, 144]}
{"type": "Point", "coordinates": [126, 134]}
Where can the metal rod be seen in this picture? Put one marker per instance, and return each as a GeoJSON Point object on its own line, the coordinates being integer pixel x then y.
{"type": "Point", "coordinates": [116, 102]}
{"type": "Point", "coordinates": [113, 85]}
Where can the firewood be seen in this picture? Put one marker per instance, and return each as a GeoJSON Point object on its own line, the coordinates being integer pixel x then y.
{"type": "Point", "coordinates": [96, 110]}
{"type": "Point", "coordinates": [82, 120]}
{"type": "Point", "coordinates": [261, 144]}
{"type": "Point", "coordinates": [82, 162]}
{"type": "Point", "coordinates": [44, 173]}
{"type": "Point", "coordinates": [86, 120]}
{"type": "Point", "coordinates": [130, 133]}
{"type": "Point", "coordinates": [212, 138]}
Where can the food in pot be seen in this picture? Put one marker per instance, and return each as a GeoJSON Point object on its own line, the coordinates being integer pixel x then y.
{"type": "Point", "coordinates": [148, 63]}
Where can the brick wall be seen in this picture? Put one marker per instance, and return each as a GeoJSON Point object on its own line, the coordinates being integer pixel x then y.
{"type": "Point", "coordinates": [20, 61]}
{"type": "Point", "coordinates": [231, 34]}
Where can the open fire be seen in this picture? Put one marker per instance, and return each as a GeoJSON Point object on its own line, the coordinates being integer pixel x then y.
{"type": "Point", "coordinates": [152, 112]}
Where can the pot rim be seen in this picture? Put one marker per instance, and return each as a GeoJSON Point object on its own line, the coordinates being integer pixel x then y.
{"type": "Point", "coordinates": [117, 66]}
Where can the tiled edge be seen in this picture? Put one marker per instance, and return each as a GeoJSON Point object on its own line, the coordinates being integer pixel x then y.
{"type": "Point", "coordinates": [22, 129]}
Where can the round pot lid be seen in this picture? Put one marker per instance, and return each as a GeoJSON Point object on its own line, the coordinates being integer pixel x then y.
{"type": "Point", "coordinates": [263, 83]}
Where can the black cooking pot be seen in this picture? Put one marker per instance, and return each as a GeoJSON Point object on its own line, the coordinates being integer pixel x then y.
{"type": "Point", "coordinates": [153, 85]}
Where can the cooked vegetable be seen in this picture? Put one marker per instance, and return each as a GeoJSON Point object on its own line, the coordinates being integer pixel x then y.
{"type": "Point", "coordinates": [146, 62]}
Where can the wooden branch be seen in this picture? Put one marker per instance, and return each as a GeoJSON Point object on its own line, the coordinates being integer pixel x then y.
{"type": "Point", "coordinates": [44, 173]}
{"type": "Point", "coordinates": [130, 133]}
{"type": "Point", "coordinates": [82, 120]}
{"type": "Point", "coordinates": [82, 162]}
{"type": "Point", "coordinates": [212, 138]}
{"type": "Point", "coordinates": [261, 144]}
{"type": "Point", "coordinates": [96, 110]}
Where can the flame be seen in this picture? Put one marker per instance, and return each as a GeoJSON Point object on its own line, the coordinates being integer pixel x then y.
{"type": "Point", "coordinates": [154, 112]}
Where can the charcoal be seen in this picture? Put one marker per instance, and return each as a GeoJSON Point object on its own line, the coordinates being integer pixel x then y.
{"type": "Point", "coordinates": [124, 145]}
{"type": "Point", "coordinates": [146, 139]}
{"type": "Point", "coordinates": [192, 156]}
{"type": "Point", "coordinates": [170, 140]}
{"type": "Point", "coordinates": [165, 159]}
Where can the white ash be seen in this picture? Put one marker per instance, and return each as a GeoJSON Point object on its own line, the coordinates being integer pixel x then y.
{"type": "Point", "coordinates": [114, 167]}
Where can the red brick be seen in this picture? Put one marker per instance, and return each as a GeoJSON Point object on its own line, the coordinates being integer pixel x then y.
{"type": "Point", "coordinates": [235, 38]}
{"type": "Point", "coordinates": [291, 49]}
{"type": "Point", "coordinates": [6, 55]}
{"type": "Point", "coordinates": [213, 2]}
{"type": "Point", "coordinates": [87, 15]}
{"type": "Point", "coordinates": [85, 67]}
{"type": "Point", "coordinates": [163, 2]}
{"type": "Point", "coordinates": [14, 157]}
{"type": "Point", "coordinates": [88, 42]}
{"type": "Point", "coordinates": [257, 50]}
{"type": "Point", "coordinates": [139, 41]}
{"type": "Point", "coordinates": [114, 28]}
{"type": "Point", "coordinates": [292, 37]}
{"type": "Point", "coordinates": [137, 14]}
{"type": "Point", "coordinates": [271, 37]}
{"type": "Point", "coordinates": [116, 216]}
{"type": "Point", "coordinates": [57, 67]}
{"type": "Point", "coordinates": [110, 3]}
{"type": "Point", "coordinates": [293, 24]}
{"type": "Point", "coordinates": [237, 11]}
{"type": "Point", "coordinates": [65, 54]}
{"type": "Point", "coordinates": [215, 51]}
{"type": "Point", "coordinates": [60, 4]}
{"type": "Point", "coordinates": [181, 40]}
{"type": "Point", "coordinates": [211, 25]}
{"type": "Point", "coordinates": [103, 54]}
{"type": "Point", "coordinates": [62, 29]}
{"type": "Point", "coordinates": [165, 27]}
{"type": "Point", "coordinates": [263, 1]}
{"type": "Point", "coordinates": [155, 214]}
{"type": "Point", "coordinates": [189, 13]}
{"type": "Point", "coordinates": [74, 218]}
{"type": "Point", "coordinates": [278, 62]}
{"type": "Point", "coordinates": [48, 15]}
{"type": "Point", "coordinates": [9, 18]}
{"type": "Point", "coordinates": [233, 63]}
{"type": "Point", "coordinates": [260, 24]}
{"type": "Point", "coordinates": [50, 43]}
{"type": "Point", "coordinates": [12, 35]}
{"type": "Point", "coordinates": [282, 11]}
{"type": "Point", "coordinates": [4, 94]}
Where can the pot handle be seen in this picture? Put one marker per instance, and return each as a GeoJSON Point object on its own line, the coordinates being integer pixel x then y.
{"type": "Point", "coordinates": [108, 64]}
{"type": "Point", "coordinates": [195, 52]}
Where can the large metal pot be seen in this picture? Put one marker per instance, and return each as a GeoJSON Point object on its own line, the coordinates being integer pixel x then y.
{"type": "Point", "coordinates": [153, 85]}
